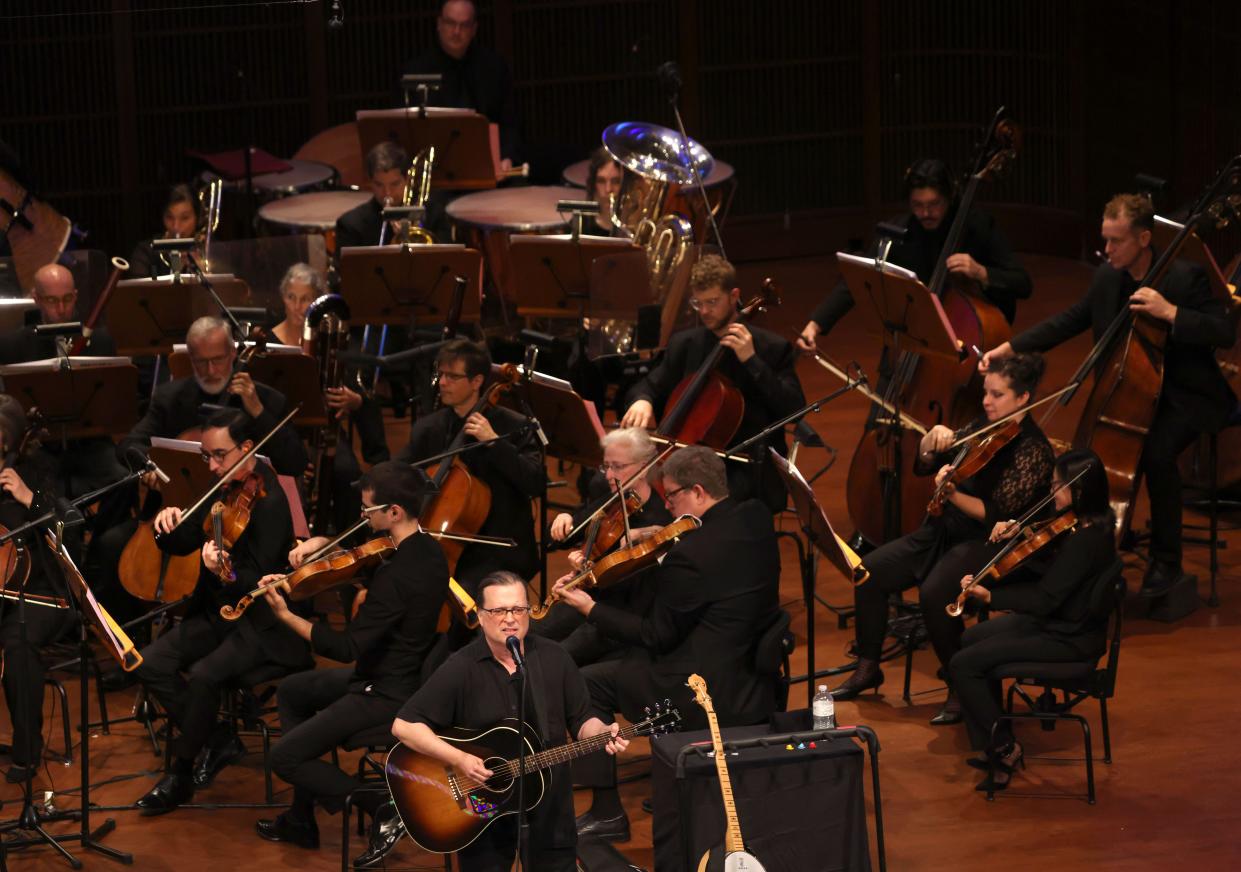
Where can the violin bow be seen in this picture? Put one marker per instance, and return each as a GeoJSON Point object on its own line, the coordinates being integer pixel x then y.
{"type": "Point", "coordinates": [960, 438]}
{"type": "Point", "coordinates": [345, 535]}
{"type": "Point", "coordinates": [211, 491]}
{"type": "Point", "coordinates": [624, 486]}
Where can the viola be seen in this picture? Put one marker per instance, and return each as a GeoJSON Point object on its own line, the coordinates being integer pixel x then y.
{"type": "Point", "coordinates": [230, 517]}
{"type": "Point", "coordinates": [609, 526]}
{"type": "Point", "coordinates": [461, 502]}
{"type": "Point", "coordinates": [706, 408]}
{"type": "Point", "coordinates": [623, 562]}
{"type": "Point", "coordinates": [884, 497]}
{"type": "Point", "coordinates": [1020, 548]}
{"type": "Point", "coordinates": [970, 460]}
{"type": "Point", "coordinates": [330, 570]}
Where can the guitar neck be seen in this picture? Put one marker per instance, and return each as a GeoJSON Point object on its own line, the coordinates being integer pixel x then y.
{"type": "Point", "coordinates": [573, 750]}
{"type": "Point", "coordinates": [732, 834]}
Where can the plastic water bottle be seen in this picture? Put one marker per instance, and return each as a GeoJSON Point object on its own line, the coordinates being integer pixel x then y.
{"type": "Point", "coordinates": [823, 710]}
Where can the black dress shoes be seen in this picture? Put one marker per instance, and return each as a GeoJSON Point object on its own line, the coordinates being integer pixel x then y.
{"type": "Point", "coordinates": [172, 790]}
{"type": "Point", "coordinates": [614, 829]}
{"type": "Point", "coordinates": [1160, 578]}
{"type": "Point", "coordinates": [866, 676]}
{"type": "Point", "coordinates": [386, 831]}
{"type": "Point", "coordinates": [284, 829]}
{"type": "Point", "coordinates": [212, 760]}
{"type": "Point", "coordinates": [950, 713]}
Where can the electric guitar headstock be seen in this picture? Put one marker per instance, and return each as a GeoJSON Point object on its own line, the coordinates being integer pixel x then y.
{"type": "Point", "coordinates": [660, 719]}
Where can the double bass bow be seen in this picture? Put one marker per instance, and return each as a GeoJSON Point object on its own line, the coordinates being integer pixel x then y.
{"type": "Point", "coordinates": [1128, 360]}
{"type": "Point", "coordinates": [884, 498]}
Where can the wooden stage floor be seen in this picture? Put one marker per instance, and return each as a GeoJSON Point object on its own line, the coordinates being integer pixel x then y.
{"type": "Point", "coordinates": [1163, 803]}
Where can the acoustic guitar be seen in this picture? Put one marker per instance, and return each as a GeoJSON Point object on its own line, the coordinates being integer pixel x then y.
{"type": "Point", "coordinates": [444, 810]}
{"type": "Point", "coordinates": [732, 855]}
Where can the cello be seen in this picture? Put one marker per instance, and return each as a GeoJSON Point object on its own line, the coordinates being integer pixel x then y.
{"type": "Point", "coordinates": [706, 408]}
{"type": "Point", "coordinates": [1128, 361]}
{"type": "Point", "coordinates": [461, 502]}
{"type": "Point", "coordinates": [885, 498]}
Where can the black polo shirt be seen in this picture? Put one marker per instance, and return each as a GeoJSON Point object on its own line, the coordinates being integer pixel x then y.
{"type": "Point", "coordinates": [473, 690]}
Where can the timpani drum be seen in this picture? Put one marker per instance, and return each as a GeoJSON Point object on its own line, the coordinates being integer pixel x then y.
{"type": "Point", "coordinates": [303, 177]}
{"type": "Point", "coordinates": [316, 212]}
{"type": "Point", "coordinates": [488, 218]}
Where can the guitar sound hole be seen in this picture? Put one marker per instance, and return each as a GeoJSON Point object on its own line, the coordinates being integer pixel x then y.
{"type": "Point", "coordinates": [496, 783]}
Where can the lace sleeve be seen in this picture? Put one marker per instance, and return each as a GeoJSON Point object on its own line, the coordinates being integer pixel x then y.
{"type": "Point", "coordinates": [1023, 482]}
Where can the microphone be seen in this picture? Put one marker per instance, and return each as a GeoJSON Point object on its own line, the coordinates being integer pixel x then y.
{"type": "Point", "coordinates": [159, 473]}
{"type": "Point", "coordinates": [514, 648]}
{"type": "Point", "coordinates": [60, 328]}
{"type": "Point", "coordinates": [669, 75]}
{"type": "Point", "coordinates": [337, 19]}
{"type": "Point", "coordinates": [134, 458]}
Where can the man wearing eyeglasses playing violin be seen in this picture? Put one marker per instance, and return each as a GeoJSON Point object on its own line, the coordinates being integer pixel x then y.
{"type": "Point", "coordinates": [209, 650]}
{"type": "Point", "coordinates": [761, 365]}
{"type": "Point", "coordinates": [387, 641]}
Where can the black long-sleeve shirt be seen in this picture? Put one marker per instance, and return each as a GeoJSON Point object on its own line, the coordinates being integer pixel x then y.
{"type": "Point", "coordinates": [510, 467]}
{"type": "Point", "coordinates": [39, 472]}
{"type": "Point", "coordinates": [1192, 382]}
{"type": "Point", "coordinates": [479, 81]}
{"type": "Point", "coordinates": [23, 344]}
{"type": "Point", "coordinates": [395, 626]}
{"type": "Point", "coordinates": [177, 407]}
{"type": "Point", "coordinates": [767, 381]}
{"type": "Point", "coordinates": [1007, 279]}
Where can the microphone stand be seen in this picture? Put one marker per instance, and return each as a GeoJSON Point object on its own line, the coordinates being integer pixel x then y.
{"type": "Point", "coordinates": [523, 821]}
{"type": "Point", "coordinates": [673, 96]}
{"type": "Point", "coordinates": [795, 416]}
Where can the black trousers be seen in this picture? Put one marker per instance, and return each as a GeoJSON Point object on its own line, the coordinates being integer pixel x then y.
{"type": "Point", "coordinates": [583, 641]}
{"type": "Point", "coordinates": [317, 714]}
{"type": "Point", "coordinates": [210, 655]}
{"type": "Point", "coordinates": [1011, 638]}
{"type": "Point", "coordinates": [617, 685]}
{"type": "Point", "coordinates": [1170, 434]}
{"type": "Point", "coordinates": [496, 848]}
{"type": "Point", "coordinates": [24, 674]}
{"type": "Point", "coordinates": [895, 567]}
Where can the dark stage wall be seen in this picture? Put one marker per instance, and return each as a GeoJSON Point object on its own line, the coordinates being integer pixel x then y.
{"type": "Point", "coordinates": [819, 104]}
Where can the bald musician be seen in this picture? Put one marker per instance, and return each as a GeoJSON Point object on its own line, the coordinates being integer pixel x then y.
{"type": "Point", "coordinates": [55, 296]}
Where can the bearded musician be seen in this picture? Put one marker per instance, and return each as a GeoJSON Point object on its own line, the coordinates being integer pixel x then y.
{"type": "Point", "coordinates": [758, 362]}
{"type": "Point", "coordinates": [187, 667]}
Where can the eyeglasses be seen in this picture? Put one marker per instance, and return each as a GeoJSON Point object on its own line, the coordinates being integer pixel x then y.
{"type": "Point", "coordinates": [672, 493]}
{"type": "Point", "coordinates": [700, 303]}
{"type": "Point", "coordinates": [515, 611]}
{"type": "Point", "coordinates": [605, 468]}
{"type": "Point", "coordinates": [218, 455]}
{"type": "Point", "coordinates": [451, 376]}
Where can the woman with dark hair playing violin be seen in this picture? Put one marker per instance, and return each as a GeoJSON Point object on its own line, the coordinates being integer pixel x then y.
{"type": "Point", "coordinates": [387, 641]}
{"type": "Point", "coordinates": [28, 489]}
{"type": "Point", "coordinates": [946, 545]}
{"type": "Point", "coordinates": [207, 648]}
{"type": "Point", "coordinates": [1056, 614]}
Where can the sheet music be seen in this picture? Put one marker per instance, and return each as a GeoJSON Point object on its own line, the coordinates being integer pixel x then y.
{"type": "Point", "coordinates": [873, 263]}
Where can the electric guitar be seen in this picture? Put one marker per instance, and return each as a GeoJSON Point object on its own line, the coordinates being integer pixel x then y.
{"type": "Point", "coordinates": [444, 810]}
{"type": "Point", "coordinates": [732, 855]}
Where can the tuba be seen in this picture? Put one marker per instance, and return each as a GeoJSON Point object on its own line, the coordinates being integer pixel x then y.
{"type": "Point", "coordinates": [657, 166]}
{"type": "Point", "coordinates": [324, 335]}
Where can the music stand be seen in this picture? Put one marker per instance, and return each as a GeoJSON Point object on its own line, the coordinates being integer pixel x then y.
{"type": "Point", "coordinates": [1195, 251]}
{"type": "Point", "coordinates": [909, 318]}
{"type": "Point", "coordinates": [552, 274]}
{"type": "Point", "coordinates": [283, 367]}
{"type": "Point", "coordinates": [147, 316]}
{"type": "Point", "coordinates": [13, 312]}
{"type": "Point", "coordinates": [570, 423]}
{"type": "Point", "coordinates": [92, 396]}
{"type": "Point", "coordinates": [467, 145]}
{"type": "Point", "coordinates": [399, 284]}
{"type": "Point", "coordinates": [822, 539]}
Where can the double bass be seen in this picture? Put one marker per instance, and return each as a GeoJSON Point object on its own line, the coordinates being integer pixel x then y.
{"type": "Point", "coordinates": [885, 497]}
{"type": "Point", "coordinates": [1128, 361]}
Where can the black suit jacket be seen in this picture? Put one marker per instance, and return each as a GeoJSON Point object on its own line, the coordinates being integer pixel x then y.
{"type": "Point", "coordinates": [716, 592]}
{"type": "Point", "coordinates": [23, 345]}
{"type": "Point", "coordinates": [176, 407]}
{"type": "Point", "coordinates": [768, 382]}
{"type": "Point", "coordinates": [1192, 382]}
{"type": "Point", "coordinates": [359, 226]}
{"type": "Point", "coordinates": [1007, 279]}
{"type": "Point", "coordinates": [511, 468]}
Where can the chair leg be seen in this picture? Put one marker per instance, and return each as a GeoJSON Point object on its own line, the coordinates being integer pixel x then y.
{"type": "Point", "coordinates": [1089, 755]}
{"type": "Point", "coordinates": [909, 668]}
{"type": "Point", "coordinates": [1213, 597]}
{"type": "Point", "coordinates": [1107, 733]}
{"type": "Point", "coordinates": [267, 775]}
{"type": "Point", "coordinates": [346, 813]}
{"type": "Point", "coordinates": [64, 719]}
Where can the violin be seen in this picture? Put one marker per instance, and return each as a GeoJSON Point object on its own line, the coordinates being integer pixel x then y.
{"type": "Point", "coordinates": [461, 502]}
{"type": "Point", "coordinates": [323, 573]}
{"type": "Point", "coordinates": [14, 560]}
{"type": "Point", "coordinates": [230, 517]}
{"type": "Point", "coordinates": [706, 408]}
{"type": "Point", "coordinates": [970, 460]}
{"type": "Point", "coordinates": [609, 526]}
{"type": "Point", "coordinates": [1019, 549]}
{"type": "Point", "coordinates": [623, 562]}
